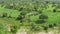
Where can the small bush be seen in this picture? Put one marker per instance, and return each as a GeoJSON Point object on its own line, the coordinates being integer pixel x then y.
{"type": "Point", "coordinates": [9, 7]}
{"type": "Point", "coordinates": [54, 10]}
{"type": "Point", "coordinates": [4, 15]}
{"type": "Point", "coordinates": [35, 28]}
{"type": "Point", "coordinates": [35, 8]}
{"type": "Point", "coordinates": [23, 13]}
{"type": "Point", "coordinates": [20, 17]}
{"type": "Point", "coordinates": [40, 21]}
{"type": "Point", "coordinates": [54, 24]}
{"type": "Point", "coordinates": [13, 29]}
{"type": "Point", "coordinates": [45, 27]}
{"type": "Point", "coordinates": [43, 16]}
{"type": "Point", "coordinates": [9, 17]}
{"type": "Point", "coordinates": [39, 12]}
{"type": "Point", "coordinates": [50, 26]}
{"type": "Point", "coordinates": [47, 2]}
{"type": "Point", "coordinates": [21, 9]}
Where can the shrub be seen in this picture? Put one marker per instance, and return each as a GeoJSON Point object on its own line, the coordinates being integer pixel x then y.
{"type": "Point", "coordinates": [11, 7]}
{"type": "Point", "coordinates": [43, 16]}
{"type": "Point", "coordinates": [9, 17]}
{"type": "Point", "coordinates": [23, 13]}
{"type": "Point", "coordinates": [47, 2]}
{"type": "Point", "coordinates": [45, 27]}
{"type": "Point", "coordinates": [8, 6]}
{"type": "Point", "coordinates": [35, 8]}
{"type": "Point", "coordinates": [40, 21]}
{"type": "Point", "coordinates": [20, 17]}
{"type": "Point", "coordinates": [39, 12]}
{"type": "Point", "coordinates": [14, 29]}
{"type": "Point", "coordinates": [4, 15]}
{"type": "Point", "coordinates": [50, 26]}
{"type": "Point", "coordinates": [26, 20]}
{"type": "Point", "coordinates": [35, 28]}
{"type": "Point", "coordinates": [21, 9]}
{"type": "Point", "coordinates": [54, 10]}
{"type": "Point", "coordinates": [54, 24]}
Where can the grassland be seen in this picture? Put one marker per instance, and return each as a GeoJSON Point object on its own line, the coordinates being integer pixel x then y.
{"type": "Point", "coordinates": [18, 18]}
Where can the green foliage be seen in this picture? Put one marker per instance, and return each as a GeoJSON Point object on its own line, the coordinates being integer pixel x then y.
{"type": "Point", "coordinates": [54, 24]}
{"type": "Point", "coordinates": [54, 10]}
{"type": "Point", "coordinates": [3, 29]}
{"type": "Point", "coordinates": [13, 29]}
{"type": "Point", "coordinates": [51, 26]}
{"type": "Point", "coordinates": [40, 21]}
{"type": "Point", "coordinates": [4, 15]}
{"type": "Point", "coordinates": [45, 28]}
{"type": "Point", "coordinates": [42, 16]}
{"type": "Point", "coordinates": [19, 17]}
{"type": "Point", "coordinates": [35, 28]}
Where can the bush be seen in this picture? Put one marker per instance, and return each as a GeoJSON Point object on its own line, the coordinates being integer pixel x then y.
{"type": "Point", "coordinates": [43, 16]}
{"type": "Point", "coordinates": [35, 28]}
{"type": "Point", "coordinates": [47, 2]}
{"type": "Point", "coordinates": [45, 27]}
{"type": "Point", "coordinates": [20, 17]}
{"type": "Point", "coordinates": [40, 21]}
{"type": "Point", "coordinates": [14, 29]}
{"type": "Point", "coordinates": [23, 13]}
{"type": "Point", "coordinates": [35, 9]}
{"type": "Point", "coordinates": [54, 10]}
{"type": "Point", "coordinates": [54, 24]}
{"type": "Point", "coordinates": [9, 17]}
{"type": "Point", "coordinates": [8, 6]}
{"type": "Point", "coordinates": [50, 26]}
{"type": "Point", "coordinates": [4, 15]}
{"type": "Point", "coordinates": [21, 9]}
{"type": "Point", "coordinates": [39, 12]}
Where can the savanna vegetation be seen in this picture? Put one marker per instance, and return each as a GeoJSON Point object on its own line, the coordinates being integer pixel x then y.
{"type": "Point", "coordinates": [33, 15]}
